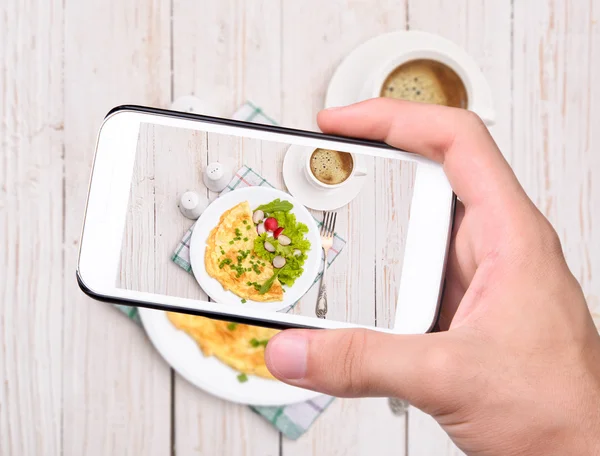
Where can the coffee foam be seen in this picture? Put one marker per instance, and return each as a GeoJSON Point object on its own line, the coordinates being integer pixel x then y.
{"type": "Point", "coordinates": [330, 166]}
{"type": "Point", "coordinates": [426, 81]}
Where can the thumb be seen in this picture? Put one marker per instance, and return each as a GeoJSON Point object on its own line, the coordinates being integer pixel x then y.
{"type": "Point", "coordinates": [358, 362]}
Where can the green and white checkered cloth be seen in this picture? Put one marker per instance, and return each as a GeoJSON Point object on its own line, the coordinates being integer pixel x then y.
{"type": "Point", "coordinates": [291, 420]}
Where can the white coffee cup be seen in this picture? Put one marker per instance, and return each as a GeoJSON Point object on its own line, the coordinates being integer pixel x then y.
{"type": "Point", "coordinates": [425, 46]}
{"type": "Point", "coordinates": [357, 171]}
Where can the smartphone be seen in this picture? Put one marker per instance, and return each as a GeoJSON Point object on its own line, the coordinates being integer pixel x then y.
{"type": "Point", "coordinates": [255, 253]}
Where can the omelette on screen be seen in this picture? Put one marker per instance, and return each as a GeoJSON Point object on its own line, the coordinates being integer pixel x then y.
{"type": "Point", "coordinates": [255, 254]}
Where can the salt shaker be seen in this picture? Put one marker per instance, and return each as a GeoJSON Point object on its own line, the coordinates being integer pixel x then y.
{"type": "Point", "coordinates": [192, 204]}
{"type": "Point", "coordinates": [217, 176]}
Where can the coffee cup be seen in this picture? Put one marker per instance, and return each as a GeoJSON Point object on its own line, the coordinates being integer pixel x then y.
{"type": "Point", "coordinates": [423, 47]}
{"type": "Point", "coordinates": [331, 169]}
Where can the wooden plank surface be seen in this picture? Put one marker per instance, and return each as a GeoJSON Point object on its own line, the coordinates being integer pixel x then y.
{"type": "Point", "coordinates": [556, 137]}
{"type": "Point", "coordinates": [31, 227]}
{"type": "Point", "coordinates": [117, 396]}
{"type": "Point", "coordinates": [79, 378]}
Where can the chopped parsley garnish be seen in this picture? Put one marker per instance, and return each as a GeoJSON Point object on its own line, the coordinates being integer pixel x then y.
{"type": "Point", "coordinates": [242, 378]}
{"type": "Point", "coordinates": [232, 326]}
{"type": "Point", "coordinates": [248, 227]}
{"type": "Point", "coordinates": [257, 343]}
{"type": "Point", "coordinates": [244, 221]}
{"type": "Point", "coordinates": [224, 262]}
{"type": "Point", "coordinates": [230, 242]}
{"type": "Point", "coordinates": [238, 232]}
{"type": "Point", "coordinates": [244, 301]}
{"type": "Point", "coordinates": [245, 239]}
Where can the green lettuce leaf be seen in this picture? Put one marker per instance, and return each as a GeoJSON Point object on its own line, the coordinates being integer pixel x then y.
{"type": "Point", "coordinates": [294, 230]}
{"type": "Point", "coordinates": [276, 206]}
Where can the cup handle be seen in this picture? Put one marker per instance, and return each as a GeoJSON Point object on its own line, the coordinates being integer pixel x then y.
{"type": "Point", "coordinates": [360, 172]}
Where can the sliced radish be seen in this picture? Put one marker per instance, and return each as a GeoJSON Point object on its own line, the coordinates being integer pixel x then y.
{"type": "Point", "coordinates": [283, 239]}
{"type": "Point", "coordinates": [271, 224]}
{"type": "Point", "coordinates": [258, 216]}
{"type": "Point", "coordinates": [261, 228]}
{"type": "Point", "coordinates": [297, 252]}
{"type": "Point", "coordinates": [278, 262]}
{"type": "Point", "coordinates": [277, 232]}
{"type": "Point", "coordinates": [269, 247]}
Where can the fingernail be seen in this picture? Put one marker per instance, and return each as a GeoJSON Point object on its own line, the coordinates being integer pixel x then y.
{"type": "Point", "coordinates": [333, 108]}
{"type": "Point", "coordinates": [287, 354]}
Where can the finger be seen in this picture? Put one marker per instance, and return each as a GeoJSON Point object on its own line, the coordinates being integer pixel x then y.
{"type": "Point", "coordinates": [353, 363]}
{"type": "Point", "coordinates": [454, 137]}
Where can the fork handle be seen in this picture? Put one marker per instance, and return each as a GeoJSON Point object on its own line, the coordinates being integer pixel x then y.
{"type": "Point", "coordinates": [321, 308]}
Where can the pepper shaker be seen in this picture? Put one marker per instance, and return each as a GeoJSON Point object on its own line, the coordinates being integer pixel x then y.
{"type": "Point", "coordinates": [192, 204]}
{"type": "Point", "coordinates": [217, 176]}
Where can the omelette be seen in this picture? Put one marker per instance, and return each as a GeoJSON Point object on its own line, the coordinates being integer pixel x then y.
{"type": "Point", "coordinates": [241, 347]}
{"type": "Point", "coordinates": [229, 257]}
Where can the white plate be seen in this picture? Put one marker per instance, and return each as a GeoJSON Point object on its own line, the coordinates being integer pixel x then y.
{"type": "Point", "coordinates": [354, 78]}
{"type": "Point", "coordinates": [255, 196]}
{"type": "Point", "coordinates": [182, 353]}
{"type": "Point", "coordinates": [308, 194]}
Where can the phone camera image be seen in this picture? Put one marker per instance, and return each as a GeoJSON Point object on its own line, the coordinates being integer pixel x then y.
{"type": "Point", "coordinates": [282, 223]}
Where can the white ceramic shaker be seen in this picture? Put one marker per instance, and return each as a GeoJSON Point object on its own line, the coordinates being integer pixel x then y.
{"type": "Point", "coordinates": [217, 176]}
{"type": "Point", "coordinates": [192, 204]}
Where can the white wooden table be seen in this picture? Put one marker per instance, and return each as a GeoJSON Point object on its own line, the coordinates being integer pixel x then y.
{"type": "Point", "coordinates": [76, 376]}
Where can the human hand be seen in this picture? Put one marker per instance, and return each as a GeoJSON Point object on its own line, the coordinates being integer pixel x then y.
{"type": "Point", "coordinates": [516, 369]}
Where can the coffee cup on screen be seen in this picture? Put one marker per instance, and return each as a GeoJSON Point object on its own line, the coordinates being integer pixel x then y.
{"type": "Point", "coordinates": [329, 169]}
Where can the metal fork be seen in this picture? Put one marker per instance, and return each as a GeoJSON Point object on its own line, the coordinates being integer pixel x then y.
{"type": "Point", "coordinates": [327, 230]}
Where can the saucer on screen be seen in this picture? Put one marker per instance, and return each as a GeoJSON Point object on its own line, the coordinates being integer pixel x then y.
{"type": "Point", "coordinates": [308, 194]}
{"type": "Point", "coordinates": [361, 73]}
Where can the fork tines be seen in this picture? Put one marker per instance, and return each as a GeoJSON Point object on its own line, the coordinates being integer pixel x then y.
{"type": "Point", "coordinates": [328, 225]}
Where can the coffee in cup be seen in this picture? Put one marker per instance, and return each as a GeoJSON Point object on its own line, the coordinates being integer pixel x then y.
{"type": "Point", "coordinates": [331, 167]}
{"type": "Point", "coordinates": [427, 81]}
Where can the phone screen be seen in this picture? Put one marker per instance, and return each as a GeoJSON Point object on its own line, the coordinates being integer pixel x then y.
{"type": "Point", "coordinates": [258, 243]}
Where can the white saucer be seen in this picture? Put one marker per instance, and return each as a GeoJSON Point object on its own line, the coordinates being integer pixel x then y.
{"type": "Point", "coordinates": [353, 79]}
{"type": "Point", "coordinates": [307, 193]}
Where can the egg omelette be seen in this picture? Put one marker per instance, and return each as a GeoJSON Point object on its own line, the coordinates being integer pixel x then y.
{"type": "Point", "coordinates": [229, 257]}
{"type": "Point", "coordinates": [241, 347]}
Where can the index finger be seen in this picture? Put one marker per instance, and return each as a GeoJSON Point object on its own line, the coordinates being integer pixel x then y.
{"type": "Point", "coordinates": [456, 138]}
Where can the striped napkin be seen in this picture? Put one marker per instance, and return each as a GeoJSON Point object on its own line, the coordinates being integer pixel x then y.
{"type": "Point", "coordinates": [291, 420]}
